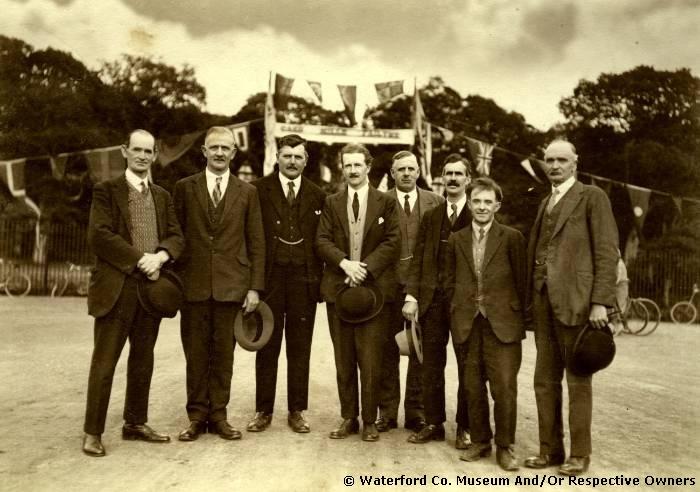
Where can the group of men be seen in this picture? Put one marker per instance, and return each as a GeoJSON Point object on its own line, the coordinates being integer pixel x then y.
{"type": "Point", "coordinates": [444, 263]}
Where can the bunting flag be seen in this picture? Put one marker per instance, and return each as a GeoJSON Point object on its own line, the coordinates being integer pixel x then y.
{"type": "Point", "coordinates": [270, 123]}
{"type": "Point", "coordinates": [172, 148]}
{"type": "Point", "coordinates": [678, 202]}
{"type": "Point", "coordinates": [105, 163]}
{"type": "Point", "coordinates": [383, 185]}
{"type": "Point", "coordinates": [326, 174]}
{"type": "Point", "coordinates": [283, 87]}
{"type": "Point", "coordinates": [242, 135]}
{"type": "Point", "coordinates": [447, 135]}
{"type": "Point", "coordinates": [12, 174]}
{"type": "Point", "coordinates": [386, 91]}
{"type": "Point", "coordinates": [481, 154]}
{"type": "Point", "coordinates": [639, 197]}
{"type": "Point", "coordinates": [603, 184]}
{"type": "Point", "coordinates": [422, 148]}
{"type": "Point", "coordinates": [529, 169]}
{"type": "Point", "coordinates": [316, 87]}
{"type": "Point", "coordinates": [348, 93]}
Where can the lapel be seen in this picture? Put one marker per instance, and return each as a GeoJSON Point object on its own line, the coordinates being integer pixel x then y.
{"type": "Point", "coordinates": [466, 248]}
{"type": "Point", "coordinates": [121, 195]}
{"type": "Point", "coordinates": [273, 189]}
{"type": "Point", "coordinates": [340, 204]}
{"type": "Point", "coordinates": [493, 241]}
{"type": "Point", "coordinates": [423, 202]}
{"type": "Point", "coordinates": [437, 217]}
{"type": "Point", "coordinates": [159, 201]}
{"type": "Point", "coordinates": [232, 194]}
{"type": "Point", "coordinates": [303, 197]}
{"type": "Point", "coordinates": [373, 197]}
{"type": "Point", "coordinates": [570, 200]}
{"type": "Point", "coordinates": [200, 189]}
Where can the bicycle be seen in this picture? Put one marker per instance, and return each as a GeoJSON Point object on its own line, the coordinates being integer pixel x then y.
{"type": "Point", "coordinates": [654, 316]}
{"type": "Point", "coordinates": [14, 282]}
{"type": "Point", "coordinates": [61, 284]}
{"type": "Point", "coordinates": [631, 318]}
{"type": "Point", "coordinates": [685, 312]}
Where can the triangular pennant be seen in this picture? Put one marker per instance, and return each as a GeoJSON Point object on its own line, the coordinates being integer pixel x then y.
{"type": "Point", "coordinates": [388, 90]}
{"type": "Point", "coordinates": [316, 87]}
{"type": "Point", "coordinates": [283, 87]}
{"type": "Point", "coordinates": [105, 163]}
{"type": "Point", "coordinates": [348, 93]}
{"type": "Point", "coordinates": [270, 142]}
{"type": "Point", "coordinates": [678, 202]}
{"type": "Point", "coordinates": [12, 174]}
{"type": "Point", "coordinates": [383, 185]}
{"type": "Point", "coordinates": [530, 170]}
{"type": "Point", "coordinates": [447, 135]}
{"type": "Point", "coordinates": [240, 134]}
{"type": "Point", "coordinates": [602, 183]}
{"type": "Point", "coordinates": [481, 154]}
{"type": "Point", "coordinates": [326, 175]}
{"type": "Point", "coordinates": [639, 197]}
{"type": "Point", "coordinates": [172, 148]}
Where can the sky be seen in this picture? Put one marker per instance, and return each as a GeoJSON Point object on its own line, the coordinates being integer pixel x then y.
{"type": "Point", "coordinates": [526, 55]}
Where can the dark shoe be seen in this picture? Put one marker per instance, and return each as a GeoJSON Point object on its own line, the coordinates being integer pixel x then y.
{"type": "Point", "coordinates": [506, 458]}
{"type": "Point", "coordinates": [476, 451]}
{"type": "Point", "coordinates": [347, 427]}
{"type": "Point", "coordinates": [298, 423]}
{"type": "Point", "coordinates": [384, 424]}
{"type": "Point", "coordinates": [370, 432]}
{"type": "Point", "coordinates": [575, 465]}
{"type": "Point", "coordinates": [92, 445]}
{"type": "Point", "coordinates": [428, 433]}
{"type": "Point", "coordinates": [543, 461]}
{"type": "Point", "coordinates": [224, 430]}
{"type": "Point", "coordinates": [260, 422]}
{"type": "Point", "coordinates": [462, 440]}
{"type": "Point", "coordinates": [415, 424]}
{"type": "Point", "coordinates": [193, 431]}
{"type": "Point", "coordinates": [142, 432]}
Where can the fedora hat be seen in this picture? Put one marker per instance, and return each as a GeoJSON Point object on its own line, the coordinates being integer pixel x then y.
{"type": "Point", "coordinates": [358, 304]}
{"type": "Point", "coordinates": [252, 331]}
{"type": "Point", "coordinates": [162, 297]}
{"type": "Point", "coordinates": [410, 340]}
{"type": "Point", "coordinates": [593, 350]}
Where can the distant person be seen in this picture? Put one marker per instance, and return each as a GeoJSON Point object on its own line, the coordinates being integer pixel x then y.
{"type": "Point", "coordinates": [133, 232]}
{"type": "Point", "coordinates": [246, 173]}
{"type": "Point", "coordinates": [438, 186]}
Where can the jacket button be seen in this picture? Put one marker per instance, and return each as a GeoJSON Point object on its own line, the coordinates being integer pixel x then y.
{"type": "Point", "coordinates": [211, 238]}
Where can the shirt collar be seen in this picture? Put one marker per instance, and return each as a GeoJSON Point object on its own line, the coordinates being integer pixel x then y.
{"type": "Point", "coordinates": [476, 227]}
{"type": "Point", "coordinates": [412, 196]}
{"type": "Point", "coordinates": [460, 205]}
{"type": "Point", "coordinates": [565, 186]}
{"type": "Point", "coordinates": [361, 192]}
{"type": "Point", "coordinates": [285, 187]}
{"type": "Point", "coordinates": [135, 180]}
{"type": "Point", "coordinates": [211, 179]}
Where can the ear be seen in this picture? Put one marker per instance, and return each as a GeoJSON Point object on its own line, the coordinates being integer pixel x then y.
{"type": "Point", "coordinates": [124, 150]}
{"type": "Point", "coordinates": [497, 207]}
{"type": "Point", "coordinates": [204, 150]}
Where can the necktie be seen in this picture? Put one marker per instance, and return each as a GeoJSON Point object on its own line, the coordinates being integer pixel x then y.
{"type": "Point", "coordinates": [482, 232]}
{"type": "Point", "coordinates": [290, 193]}
{"type": "Point", "coordinates": [552, 200]}
{"type": "Point", "coordinates": [406, 205]}
{"type": "Point", "coordinates": [144, 188]}
{"type": "Point", "coordinates": [453, 217]}
{"type": "Point", "coordinates": [216, 194]}
{"type": "Point", "coordinates": [355, 206]}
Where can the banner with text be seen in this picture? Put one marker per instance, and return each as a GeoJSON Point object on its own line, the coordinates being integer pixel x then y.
{"type": "Point", "coordinates": [337, 134]}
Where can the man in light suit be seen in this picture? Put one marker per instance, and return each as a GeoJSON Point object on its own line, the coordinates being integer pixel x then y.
{"type": "Point", "coordinates": [133, 232]}
{"type": "Point", "coordinates": [426, 299]}
{"type": "Point", "coordinates": [291, 211]}
{"type": "Point", "coordinates": [572, 256]}
{"type": "Point", "coordinates": [359, 240]}
{"type": "Point", "coordinates": [413, 203]}
{"type": "Point", "coordinates": [223, 269]}
{"type": "Point", "coordinates": [486, 272]}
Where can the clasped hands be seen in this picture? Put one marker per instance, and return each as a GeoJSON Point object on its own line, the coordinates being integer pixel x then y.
{"type": "Point", "coordinates": [151, 263]}
{"type": "Point", "coordinates": [356, 272]}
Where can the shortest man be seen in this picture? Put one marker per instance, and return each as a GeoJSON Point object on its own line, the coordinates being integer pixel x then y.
{"type": "Point", "coordinates": [487, 271]}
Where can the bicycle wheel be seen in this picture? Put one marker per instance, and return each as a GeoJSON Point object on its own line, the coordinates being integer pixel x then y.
{"type": "Point", "coordinates": [59, 288]}
{"type": "Point", "coordinates": [654, 316]}
{"type": "Point", "coordinates": [636, 317]}
{"type": "Point", "coordinates": [18, 285]}
{"type": "Point", "coordinates": [683, 313]}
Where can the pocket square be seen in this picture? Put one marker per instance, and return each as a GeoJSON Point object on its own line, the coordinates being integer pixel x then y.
{"type": "Point", "coordinates": [380, 221]}
{"type": "Point", "coordinates": [317, 212]}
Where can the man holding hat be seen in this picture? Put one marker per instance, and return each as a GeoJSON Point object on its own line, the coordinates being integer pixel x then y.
{"type": "Point", "coordinates": [133, 232]}
{"type": "Point", "coordinates": [291, 211]}
{"type": "Point", "coordinates": [572, 256]}
{"type": "Point", "coordinates": [223, 269]}
{"type": "Point", "coordinates": [359, 240]}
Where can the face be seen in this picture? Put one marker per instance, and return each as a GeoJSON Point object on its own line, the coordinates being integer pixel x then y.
{"type": "Point", "coordinates": [559, 162]}
{"type": "Point", "coordinates": [292, 160]}
{"type": "Point", "coordinates": [355, 169]}
{"type": "Point", "coordinates": [219, 149]}
{"type": "Point", "coordinates": [483, 205]}
{"type": "Point", "coordinates": [245, 173]}
{"type": "Point", "coordinates": [405, 173]}
{"type": "Point", "coordinates": [437, 185]}
{"type": "Point", "coordinates": [455, 179]}
{"type": "Point", "coordinates": [140, 153]}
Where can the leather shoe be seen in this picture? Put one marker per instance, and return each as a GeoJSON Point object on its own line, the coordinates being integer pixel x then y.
{"type": "Point", "coordinates": [298, 423]}
{"type": "Point", "coordinates": [415, 424]}
{"type": "Point", "coordinates": [575, 465]}
{"type": "Point", "coordinates": [505, 456]}
{"type": "Point", "coordinates": [543, 461]}
{"type": "Point", "coordinates": [384, 424]}
{"type": "Point", "coordinates": [428, 433]}
{"type": "Point", "coordinates": [193, 431]}
{"type": "Point", "coordinates": [260, 422]}
{"type": "Point", "coordinates": [476, 451]}
{"type": "Point", "coordinates": [347, 427]}
{"type": "Point", "coordinates": [224, 430]}
{"type": "Point", "coordinates": [370, 432]}
{"type": "Point", "coordinates": [142, 432]}
{"type": "Point", "coordinates": [92, 445]}
{"type": "Point", "coordinates": [462, 439]}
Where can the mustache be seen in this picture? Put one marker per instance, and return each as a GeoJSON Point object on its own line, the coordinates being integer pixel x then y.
{"type": "Point", "coordinates": [452, 183]}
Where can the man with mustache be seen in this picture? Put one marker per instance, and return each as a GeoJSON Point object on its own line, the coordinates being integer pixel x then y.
{"type": "Point", "coordinates": [572, 257]}
{"type": "Point", "coordinates": [223, 270]}
{"type": "Point", "coordinates": [291, 211]}
{"type": "Point", "coordinates": [426, 299]}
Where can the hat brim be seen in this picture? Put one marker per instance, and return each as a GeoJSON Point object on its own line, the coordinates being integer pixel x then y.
{"type": "Point", "coordinates": [349, 317]}
{"type": "Point", "coordinates": [168, 281]}
{"type": "Point", "coordinates": [593, 350]}
{"type": "Point", "coordinates": [253, 331]}
{"type": "Point", "coordinates": [410, 340]}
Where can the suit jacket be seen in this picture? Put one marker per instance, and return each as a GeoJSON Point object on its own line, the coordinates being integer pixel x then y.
{"type": "Point", "coordinates": [222, 260]}
{"type": "Point", "coordinates": [381, 243]}
{"type": "Point", "coordinates": [310, 198]}
{"type": "Point", "coordinates": [426, 199]}
{"type": "Point", "coordinates": [503, 274]}
{"type": "Point", "coordinates": [582, 255]}
{"type": "Point", "coordinates": [423, 273]}
{"type": "Point", "coordinates": [109, 236]}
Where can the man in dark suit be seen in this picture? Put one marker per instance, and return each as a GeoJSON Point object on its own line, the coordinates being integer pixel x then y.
{"type": "Point", "coordinates": [223, 269]}
{"type": "Point", "coordinates": [572, 256]}
{"type": "Point", "coordinates": [427, 300]}
{"type": "Point", "coordinates": [413, 203]}
{"type": "Point", "coordinates": [291, 211]}
{"type": "Point", "coordinates": [486, 275]}
{"type": "Point", "coordinates": [359, 240]}
{"type": "Point", "coordinates": [133, 232]}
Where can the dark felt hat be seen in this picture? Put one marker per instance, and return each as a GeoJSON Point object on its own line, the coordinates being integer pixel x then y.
{"type": "Point", "coordinates": [358, 304]}
{"type": "Point", "coordinates": [252, 331]}
{"type": "Point", "coordinates": [410, 340]}
{"type": "Point", "coordinates": [162, 297]}
{"type": "Point", "coordinates": [593, 350]}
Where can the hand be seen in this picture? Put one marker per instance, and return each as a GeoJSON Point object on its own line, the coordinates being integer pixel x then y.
{"type": "Point", "coordinates": [150, 263]}
{"type": "Point", "coordinates": [598, 316]}
{"type": "Point", "coordinates": [252, 299]}
{"type": "Point", "coordinates": [355, 270]}
{"type": "Point", "coordinates": [410, 310]}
